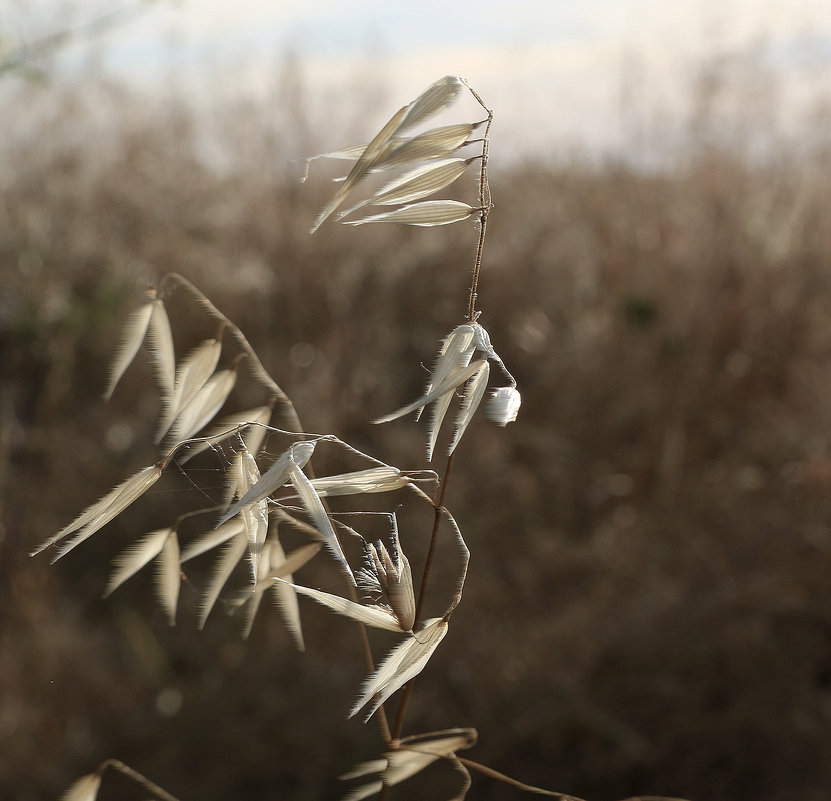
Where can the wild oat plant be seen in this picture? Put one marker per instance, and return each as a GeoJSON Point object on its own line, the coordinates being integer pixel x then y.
{"type": "Point", "coordinates": [269, 482]}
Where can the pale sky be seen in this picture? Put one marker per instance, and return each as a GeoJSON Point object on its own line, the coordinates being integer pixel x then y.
{"type": "Point", "coordinates": [557, 72]}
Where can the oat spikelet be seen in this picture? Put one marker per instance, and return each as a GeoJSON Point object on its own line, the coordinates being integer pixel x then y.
{"type": "Point", "coordinates": [284, 595]}
{"type": "Point", "coordinates": [435, 98]}
{"type": "Point", "coordinates": [311, 501]}
{"type": "Point", "coordinates": [447, 386]}
{"type": "Point", "coordinates": [412, 756]}
{"type": "Point", "coordinates": [99, 514]}
{"type": "Point", "coordinates": [403, 663]}
{"type": "Point", "coordinates": [426, 214]}
{"type": "Point", "coordinates": [168, 576]}
{"type": "Point", "coordinates": [212, 539]}
{"type": "Point", "coordinates": [83, 789]}
{"type": "Point", "coordinates": [161, 344]}
{"type": "Point", "coordinates": [229, 558]}
{"type": "Point", "coordinates": [134, 332]}
{"type": "Point", "coordinates": [372, 615]}
{"type": "Point", "coordinates": [254, 515]}
{"type": "Point", "coordinates": [273, 478]}
{"type": "Point", "coordinates": [204, 405]}
{"type": "Point", "coordinates": [474, 392]}
{"type": "Point", "coordinates": [371, 155]}
{"type": "Point", "coordinates": [416, 184]}
{"type": "Point", "coordinates": [135, 557]}
{"type": "Point", "coordinates": [193, 372]}
{"type": "Point", "coordinates": [432, 144]}
{"type": "Point", "coordinates": [374, 479]}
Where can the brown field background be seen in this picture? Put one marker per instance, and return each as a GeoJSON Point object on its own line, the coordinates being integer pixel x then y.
{"type": "Point", "coordinates": [648, 607]}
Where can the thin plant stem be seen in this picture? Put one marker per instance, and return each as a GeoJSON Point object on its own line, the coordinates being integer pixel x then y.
{"type": "Point", "coordinates": [485, 204]}
{"type": "Point", "coordinates": [485, 207]}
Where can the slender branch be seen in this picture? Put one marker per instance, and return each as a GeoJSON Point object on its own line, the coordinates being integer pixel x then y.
{"type": "Point", "coordinates": [422, 593]}
{"type": "Point", "coordinates": [528, 788]}
{"type": "Point", "coordinates": [485, 204]}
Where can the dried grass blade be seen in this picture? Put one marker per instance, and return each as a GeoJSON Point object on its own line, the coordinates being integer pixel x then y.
{"type": "Point", "coordinates": [211, 539]}
{"type": "Point", "coordinates": [231, 554]}
{"type": "Point", "coordinates": [83, 789]}
{"type": "Point", "coordinates": [311, 501]}
{"type": "Point", "coordinates": [134, 332]}
{"type": "Point", "coordinates": [372, 153]}
{"type": "Point", "coordinates": [375, 616]}
{"type": "Point", "coordinates": [474, 392]}
{"type": "Point", "coordinates": [416, 184]}
{"type": "Point", "coordinates": [273, 478]}
{"type": "Point", "coordinates": [197, 367]}
{"type": "Point", "coordinates": [374, 479]}
{"type": "Point", "coordinates": [435, 98]}
{"type": "Point", "coordinates": [161, 344]}
{"type": "Point", "coordinates": [100, 513]}
{"type": "Point", "coordinates": [204, 405]}
{"type": "Point", "coordinates": [448, 385]}
{"type": "Point", "coordinates": [135, 557]}
{"type": "Point", "coordinates": [403, 663]}
{"type": "Point", "coordinates": [426, 214]}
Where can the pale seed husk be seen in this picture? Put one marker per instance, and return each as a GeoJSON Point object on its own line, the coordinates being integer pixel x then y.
{"type": "Point", "coordinates": [403, 663]}
{"type": "Point", "coordinates": [230, 556]}
{"type": "Point", "coordinates": [135, 557]}
{"type": "Point", "coordinates": [374, 479]}
{"type": "Point", "coordinates": [83, 789]}
{"type": "Point", "coordinates": [100, 513]}
{"type": "Point", "coordinates": [372, 153]}
{"type": "Point", "coordinates": [435, 98]}
{"type": "Point", "coordinates": [212, 539]}
{"type": "Point", "coordinates": [426, 214]}
{"type": "Point", "coordinates": [273, 478]}
{"type": "Point", "coordinates": [416, 184]}
{"type": "Point", "coordinates": [161, 346]}
{"type": "Point", "coordinates": [474, 392]}
{"type": "Point", "coordinates": [204, 405]}
{"type": "Point", "coordinates": [197, 367]}
{"type": "Point", "coordinates": [371, 615]}
{"type": "Point", "coordinates": [311, 501]}
{"type": "Point", "coordinates": [134, 332]}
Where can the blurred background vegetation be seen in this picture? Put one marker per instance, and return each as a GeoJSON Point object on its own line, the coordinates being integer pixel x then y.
{"type": "Point", "coordinates": [647, 609]}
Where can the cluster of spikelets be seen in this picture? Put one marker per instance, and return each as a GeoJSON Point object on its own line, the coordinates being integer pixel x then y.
{"type": "Point", "coordinates": [195, 389]}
